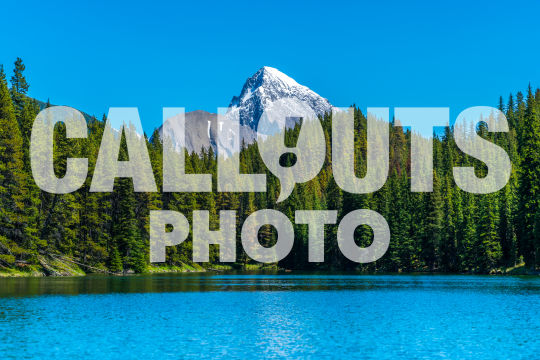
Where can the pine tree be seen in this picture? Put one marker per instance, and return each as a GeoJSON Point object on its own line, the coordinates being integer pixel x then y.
{"type": "Point", "coordinates": [334, 201]}
{"type": "Point", "coordinates": [529, 183]}
{"type": "Point", "coordinates": [125, 232]}
{"type": "Point", "coordinates": [433, 228]}
{"type": "Point", "coordinates": [468, 250]}
{"type": "Point", "coordinates": [13, 191]}
{"type": "Point", "coordinates": [61, 223]}
{"type": "Point", "coordinates": [448, 246]}
{"type": "Point", "coordinates": [506, 227]}
{"type": "Point", "coordinates": [19, 86]}
{"type": "Point", "coordinates": [489, 252]}
{"type": "Point", "coordinates": [115, 262]}
{"type": "Point", "coordinates": [94, 212]}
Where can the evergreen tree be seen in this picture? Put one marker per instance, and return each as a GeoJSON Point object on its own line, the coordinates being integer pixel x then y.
{"type": "Point", "coordinates": [488, 247]}
{"type": "Point", "coordinates": [126, 236]}
{"type": "Point", "coordinates": [433, 227]}
{"type": "Point", "coordinates": [13, 191]}
{"type": "Point", "coordinates": [19, 86]}
{"type": "Point", "coordinates": [529, 183]}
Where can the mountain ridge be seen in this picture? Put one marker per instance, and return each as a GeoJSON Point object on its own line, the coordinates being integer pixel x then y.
{"type": "Point", "coordinates": [260, 92]}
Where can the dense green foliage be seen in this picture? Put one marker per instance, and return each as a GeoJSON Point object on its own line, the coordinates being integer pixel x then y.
{"type": "Point", "coordinates": [446, 230]}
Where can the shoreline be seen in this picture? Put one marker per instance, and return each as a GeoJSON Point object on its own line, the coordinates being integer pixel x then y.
{"type": "Point", "coordinates": [34, 272]}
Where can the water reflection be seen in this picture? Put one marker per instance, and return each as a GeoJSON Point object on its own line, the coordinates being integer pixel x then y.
{"type": "Point", "coordinates": [203, 282]}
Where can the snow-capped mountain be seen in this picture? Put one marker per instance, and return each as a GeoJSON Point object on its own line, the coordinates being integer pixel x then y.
{"type": "Point", "coordinates": [269, 85]}
{"type": "Point", "coordinates": [262, 91]}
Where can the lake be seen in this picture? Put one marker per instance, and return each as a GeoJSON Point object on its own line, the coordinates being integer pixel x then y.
{"type": "Point", "coordinates": [193, 316]}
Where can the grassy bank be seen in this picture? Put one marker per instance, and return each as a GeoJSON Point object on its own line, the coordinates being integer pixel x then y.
{"type": "Point", "coordinates": [56, 266]}
{"type": "Point", "coordinates": [48, 266]}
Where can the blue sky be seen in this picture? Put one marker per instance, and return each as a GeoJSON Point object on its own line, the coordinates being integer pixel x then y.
{"type": "Point", "coordinates": [197, 54]}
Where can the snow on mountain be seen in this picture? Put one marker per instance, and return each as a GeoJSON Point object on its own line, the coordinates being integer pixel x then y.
{"type": "Point", "coordinates": [268, 88]}
{"type": "Point", "coordinates": [269, 85]}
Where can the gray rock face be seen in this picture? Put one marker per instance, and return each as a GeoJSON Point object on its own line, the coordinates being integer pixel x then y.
{"type": "Point", "coordinates": [199, 125]}
{"type": "Point", "coordinates": [260, 92]}
{"type": "Point", "coordinates": [200, 131]}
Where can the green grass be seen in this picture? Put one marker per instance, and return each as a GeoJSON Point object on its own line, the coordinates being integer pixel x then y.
{"type": "Point", "coordinates": [26, 271]}
{"type": "Point", "coordinates": [48, 265]}
{"type": "Point", "coordinates": [175, 268]}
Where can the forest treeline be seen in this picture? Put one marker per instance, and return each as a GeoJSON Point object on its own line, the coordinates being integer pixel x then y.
{"type": "Point", "coordinates": [446, 230]}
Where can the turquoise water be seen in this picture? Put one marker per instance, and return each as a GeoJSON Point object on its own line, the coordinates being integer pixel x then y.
{"type": "Point", "coordinates": [270, 316]}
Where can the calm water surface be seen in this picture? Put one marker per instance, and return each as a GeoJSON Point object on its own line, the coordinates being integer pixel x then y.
{"type": "Point", "coordinates": [193, 316]}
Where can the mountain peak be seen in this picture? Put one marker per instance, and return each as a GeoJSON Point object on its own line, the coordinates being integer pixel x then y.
{"type": "Point", "coordinates": [268, 85]}
{"type": "Point", "coordinates": [267, 88]}
{"type": "Point", "coordinates": [274, 74]}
